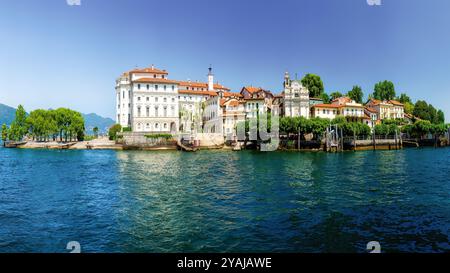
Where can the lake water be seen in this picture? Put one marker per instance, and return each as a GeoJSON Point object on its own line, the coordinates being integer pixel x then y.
{"type": "Point", "coordinates": [215, 201]}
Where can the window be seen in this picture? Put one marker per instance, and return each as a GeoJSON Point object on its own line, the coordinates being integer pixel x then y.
{"type": "Point", "coordinates": [156, 111]}
{"type": "Point", "coordinates": [165, 125]}
{"type": "Point", "coordinates": [148, 99]}
{"type": "Point", "coordinates": [139, 98]}
{"type": "Point", "coordinates": [173, 99]}
{"type": "Point", "coordinates": [173, 87]}
{"type": "Point", "coordinates": [162, 76]}
{"type": "Point", "coordinates": [156, 87]}
{"type": "Point", "coordinates": [324, 111]}
{"type": "Point", "coordinates": [123, 94]}
{"type": "Point", "coordinates": [165, 99]}
{"type": "Point", "coordinates": [156, 125]}
{"type": "Point", "coordinates": [165, 88]}
{"type": "Point", "coordinates": [165, 111]}
{"type": "Point", "coordinates": [148, 87]}
{"type": "Point", "coordinates": [139, 86]}
{"type": "Point", "coordinates": [154, 76]}
{"type": "Point", "coordinates": [139, 111]}
{"type": "Point", "coordinates": [156, 99]}
{"type": "Point", "coordinates": [148, 111]}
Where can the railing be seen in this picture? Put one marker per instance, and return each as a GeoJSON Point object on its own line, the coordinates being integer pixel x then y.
{"type": "Point", "coordinates": [377, 137]}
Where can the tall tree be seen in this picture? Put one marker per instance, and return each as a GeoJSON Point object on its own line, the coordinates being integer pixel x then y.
{"type": "Point", "coordinates": [20, 122]}
{"type": "Point", "coordinates": [384, 91]}
{"type": "Point", "coordinates": [314, 85]}
{"type": "Point", "coordinates": [441, 117]}
{"type": "Point", "coordinates": [356, 94]}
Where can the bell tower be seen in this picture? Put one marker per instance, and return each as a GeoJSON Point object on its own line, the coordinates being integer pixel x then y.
{"type": "Point", "coordinates": [286, 80]}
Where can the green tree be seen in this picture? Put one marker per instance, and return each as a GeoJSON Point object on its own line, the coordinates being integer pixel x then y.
{"type": "Point", "coordinates": [422, 127]}
{"type": "Point", "coordinates": [356, 94]}
{"type": "Point", "coordinates": [325, 98]}
{"type": "Point", "coordinates": [314, 85]}
{"type": "Point", "coordinates": [95, 130]}
{"type": "Point", "coordinates": [384, 91]}
{"type": "Point", "coordinates": [335, 95]}
{"type": "Point", "coordinates": [404, 98]}
{"type": "Point", "coordinates": [440, 117]}
{"type": "Point", "coordinates": [4, 132]}
{"type": "Point", "coordinates": [421, 110]}
{"type": "Point", "coordinates": [409, 108]}
{"type": "Point", "coordinates": [113, 131]}
{"type": "Point", "coordinates": [20, 124]}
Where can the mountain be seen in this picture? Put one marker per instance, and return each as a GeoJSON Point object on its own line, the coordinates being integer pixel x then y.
{"type": "Point", "coordinates": [92, 120]}
{"type": "Point", "coordinates": [7, 114]}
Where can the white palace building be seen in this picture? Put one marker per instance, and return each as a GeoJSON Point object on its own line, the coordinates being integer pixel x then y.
{"type": "Point", "coordinates": [148, 101]}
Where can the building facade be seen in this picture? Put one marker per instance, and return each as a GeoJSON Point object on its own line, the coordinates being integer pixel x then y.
{"type": "Point", "coordinates": [295, 98]}
{"type": "Point", "coordinates": [344, 106]}
{"type": "Point", "coordinates": [147, 101]}
{"type": "Point", "coordinates": [387, 109]}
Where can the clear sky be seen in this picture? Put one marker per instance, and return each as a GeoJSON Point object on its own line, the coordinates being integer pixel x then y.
{"type": "Point", "coordinates": [53, 54]}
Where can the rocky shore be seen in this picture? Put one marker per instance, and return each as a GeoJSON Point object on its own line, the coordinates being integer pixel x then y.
{"type": "Point", "coordinates": [96, 144]}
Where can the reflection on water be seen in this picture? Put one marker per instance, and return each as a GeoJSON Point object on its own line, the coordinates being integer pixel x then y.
{"type": "Point", "coordinates": [131, 201]}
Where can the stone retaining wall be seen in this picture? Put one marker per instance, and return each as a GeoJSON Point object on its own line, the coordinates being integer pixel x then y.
{"type": "Point", "coordinates": [137, 140]}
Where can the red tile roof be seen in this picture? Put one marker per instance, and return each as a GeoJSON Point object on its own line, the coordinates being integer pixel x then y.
{"type": "Point", "coordinates": [370, 109]}
{"type": "Point", "coordinates": [192, 92]}
{"type": "Point", "coordinates": [231, 94]}
{"type": "Point", "coordinates": [149, 70]}
{"type": "Point", "coordinates": [202, 85]}
{"type": "Point", "coordinates": [252, 89]}
{"type": "Point", "coordinates": [324, 105]}
{"type": "Point", "coordinates": [394, 102]}
{"type": "Point", "coordinates": [155, 80]}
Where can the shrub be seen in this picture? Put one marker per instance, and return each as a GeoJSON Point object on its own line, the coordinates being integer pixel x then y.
{"type": "Point", "coordinates": [113, 131]}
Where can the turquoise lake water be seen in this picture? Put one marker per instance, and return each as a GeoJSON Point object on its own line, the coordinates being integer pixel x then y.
{"type": "Point", "coordinates": [215, 201]}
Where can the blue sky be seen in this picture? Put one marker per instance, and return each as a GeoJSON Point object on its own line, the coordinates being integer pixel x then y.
{"type": "Point", "coordinates": [53, 54]}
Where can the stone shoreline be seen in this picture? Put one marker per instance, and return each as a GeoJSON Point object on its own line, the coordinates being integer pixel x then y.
{"type": "Point", "coordinates": [96, 144]}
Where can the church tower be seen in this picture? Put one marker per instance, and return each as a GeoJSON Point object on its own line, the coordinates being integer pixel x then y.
{"type": "Point", "coordinates": [286, 80]}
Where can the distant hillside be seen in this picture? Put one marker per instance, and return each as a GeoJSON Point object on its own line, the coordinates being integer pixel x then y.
{"type": "Point", "coordinates": [7, 114]}
{"type": "Point", "coordinates": [93, 120]}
